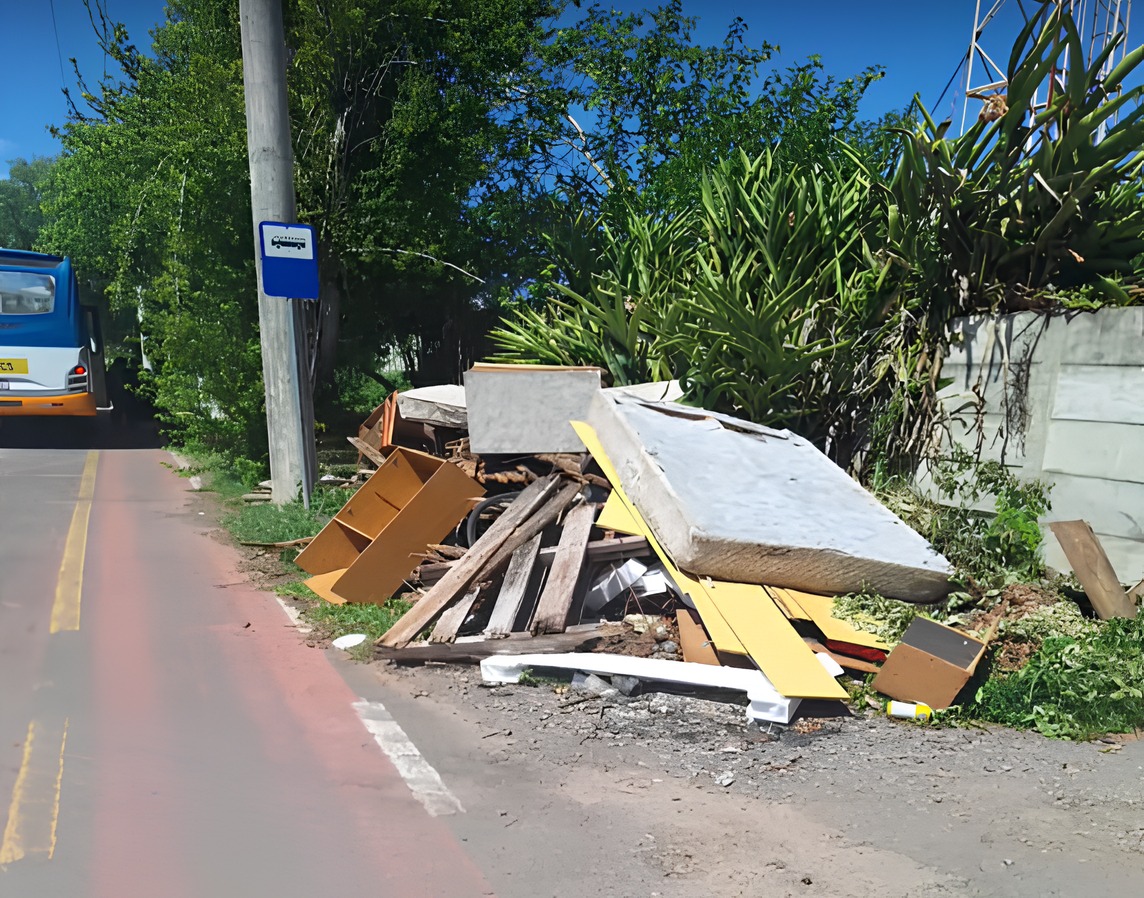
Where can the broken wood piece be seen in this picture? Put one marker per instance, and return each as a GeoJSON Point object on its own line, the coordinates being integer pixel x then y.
{"type": "Point", "coordinates": [465, 570]}
{"type": "Point", "coordinates": [453, 618]}
{"type": "Point", "coordinates": [1093, 569]}
{"type": "Point", "coordinates": [469, 651]}
{"type": "Point", "coordinates": [556, 598]}
{"type": "Point", "coordinates": [548, 515]}
{"type": "Point", "coordinates": [514, 588]}
{"type": "Point", "coordinates": [287, 544]}
{"type": "Point", "coordinates": [842, 660]}
{"type": "Point", "coordinates": [367, 450]}
{"type": "Point", "coordinates": [608, 549]}
{"type": "Point", "coordinates": [452, 552]}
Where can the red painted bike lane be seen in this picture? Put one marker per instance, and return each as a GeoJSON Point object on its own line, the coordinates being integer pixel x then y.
{"type": "Point", "coordinates": [225, 755]}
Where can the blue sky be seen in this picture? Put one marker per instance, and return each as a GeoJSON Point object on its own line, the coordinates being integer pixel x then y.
{"type": "Point", "coordinates": [920, 43]}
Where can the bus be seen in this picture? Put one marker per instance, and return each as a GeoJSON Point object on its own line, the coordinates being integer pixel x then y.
{"type": "Point", "coordinates": [51, 350]}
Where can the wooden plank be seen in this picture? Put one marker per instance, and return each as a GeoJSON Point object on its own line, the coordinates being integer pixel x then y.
{"type": "Point", "coordinates": [453, 618]}
{"type": "Point", "coordinates": [462, 573]}
{"type": "Point", "coordinates": [544, 518]}
{"type": "Point", "coordinates": [1093, 569]}
{"type": "Point", "coordinates": [472, 651]}
{"type": "Point", "coordinates": [615, 515]}
{"type": "Point", "coordinates": [846, 661]}
{"type": "Point", "coordinates": [367, 450]}
{"type": "Point", "coordinates": [693, 639]}
{"type": "Point", "coordinates": [556, 598]}
{"type": "Point", "coordinates": [820, 609]}
{"type": "Point", "coordinates": [608, 549]}
{"type": "Point", "coordinates": [626, 519]}
{"type": "Point", "coordinates": [513, 589]}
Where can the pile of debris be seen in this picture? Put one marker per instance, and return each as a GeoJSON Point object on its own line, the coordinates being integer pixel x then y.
{"type": "Point", "coordinates": [530, 512]}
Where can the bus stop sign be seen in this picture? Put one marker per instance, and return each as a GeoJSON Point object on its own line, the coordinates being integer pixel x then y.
{"type": "Point", "coordinates": [289, 260]}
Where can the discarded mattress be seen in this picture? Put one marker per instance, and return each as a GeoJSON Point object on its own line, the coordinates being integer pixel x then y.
{"type": "Point", "coordinates": [766, 703]}
{"type": "Point", "coordinates": [442, 405]}
{"type": "Point", "coordinates": [736, 501]}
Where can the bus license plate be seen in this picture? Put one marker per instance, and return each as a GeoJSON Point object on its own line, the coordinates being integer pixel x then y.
{"type": "Point", "coordinates": [13, 366]}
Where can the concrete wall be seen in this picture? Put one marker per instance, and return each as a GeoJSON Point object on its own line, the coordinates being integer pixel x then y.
{"type": "Point", "coordinates": [1062, 399]}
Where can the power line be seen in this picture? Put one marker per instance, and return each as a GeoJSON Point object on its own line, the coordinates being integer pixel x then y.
{"type": "Point", "coordinates": [59, 52]}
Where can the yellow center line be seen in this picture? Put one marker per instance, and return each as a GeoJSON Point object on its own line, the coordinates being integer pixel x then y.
{"type": "Point", "coordinates": [69, 586]}
{"type": "Point", "coordinates": [33, 814]}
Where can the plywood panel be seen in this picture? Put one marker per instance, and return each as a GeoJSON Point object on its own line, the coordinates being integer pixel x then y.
{"type": "Point", "coordinates": [820, 609]}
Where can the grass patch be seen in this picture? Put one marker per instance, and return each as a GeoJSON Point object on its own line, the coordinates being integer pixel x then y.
{"type": "Point", "coordinates": [268, 523]}
{"type": "Point", "coordinates": [1074, 688]}
{"type": "Point", "coordinates": [297, 590]}
{"type": "Point", "coordinates": [331, 621]}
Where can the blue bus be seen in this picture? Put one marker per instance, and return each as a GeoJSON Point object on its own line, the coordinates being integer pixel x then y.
{"type": "Point", "coordinates": [51, 352]}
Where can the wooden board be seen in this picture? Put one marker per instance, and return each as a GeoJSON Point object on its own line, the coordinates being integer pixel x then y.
{"type": "Point", "coordinates": [693, 639]}
{"type": "Point", "coordinates": [820, 610]}
{"type": "Point", "coordinates": [736, 614]}
{"type": "Point", "coordinates": [513, 590]}
{"type": "Point", "coordinates": [367, 450]}
{"type": "Point", "coordinates": [467, 651]}
{"type": "Point", "coordinates": [462, 573]}
{"type": "Point", "coordinates": [1093, 569]}
{"type": "Point", "coordinates": [615, 515]}
{"type": "Point", "coordinates": [787, 604]}
{"type": "Point", "coordinates": [453, 618]}
{"type": "Point", "coordinates": [556, 598]}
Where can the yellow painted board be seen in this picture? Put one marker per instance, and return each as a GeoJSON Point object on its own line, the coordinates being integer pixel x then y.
{"type": "Point", "coordinates": [787, 604]}
{"type": "Point", "coordinates": [771, 641]}
{"type": "Point", "coordinates": [615, 516]}
{"type": "Point", "coordinates": [623, 516]}
{"type": "Point", "coordinates": [820, 609]}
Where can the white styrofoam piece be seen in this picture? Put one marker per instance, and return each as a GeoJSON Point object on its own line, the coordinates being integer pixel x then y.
{"type": "Point", "coordinates": [515, 410]}
{"type": "Point", "coordinates": [766, 702]}
{"type": "Point", "coordinates": [739, 502]}
{"type": "Point", "coordinates": [443, 404]}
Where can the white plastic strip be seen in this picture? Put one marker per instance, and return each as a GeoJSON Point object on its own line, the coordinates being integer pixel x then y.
{"type": "Point", "coordinates": [767, 703]}
{"type": "Point", "coordinates": [423, 781]}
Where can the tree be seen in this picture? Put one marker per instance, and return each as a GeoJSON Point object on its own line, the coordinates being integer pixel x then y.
{"type": "Point", "coordinates": [20, 196]}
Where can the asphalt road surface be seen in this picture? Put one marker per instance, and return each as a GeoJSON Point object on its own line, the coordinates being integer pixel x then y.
{"type": "Point", "coordinates": [164, 732]}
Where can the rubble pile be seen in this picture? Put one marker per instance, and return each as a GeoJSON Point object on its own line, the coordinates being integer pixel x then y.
{"type": "Point", "coordinates": [540, 522]}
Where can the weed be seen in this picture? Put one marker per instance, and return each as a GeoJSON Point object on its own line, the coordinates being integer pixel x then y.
{"type": "Point", "coordinates": [331, 621]}
{"type": "Point", "coordinates": [268, 523]}
{"type": "Point", "coordinates": [297, 590]}
{"type": "Point", "coordinates": [1074, 688]}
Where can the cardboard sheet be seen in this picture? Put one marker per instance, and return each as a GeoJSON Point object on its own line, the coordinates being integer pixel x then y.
{"type": "Point", "coordinates": [323, 585]}
{"type": "Point", "coordinates": [693, 639]}
{"type": "Point", "coordinates": [736, 614]}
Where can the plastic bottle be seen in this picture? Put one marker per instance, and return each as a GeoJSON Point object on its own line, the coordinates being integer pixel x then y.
{"type": "Point", "coordinates": [909, 710]}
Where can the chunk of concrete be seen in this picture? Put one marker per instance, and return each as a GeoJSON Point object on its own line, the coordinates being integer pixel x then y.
{"type": "Point", "coordinates": [736, 501]}
{"type": "Point", "coordinates": [525, 409]}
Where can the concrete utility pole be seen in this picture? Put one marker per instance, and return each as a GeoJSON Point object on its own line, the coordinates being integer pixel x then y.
{"type": "Point", "coordinates": [289, 407]}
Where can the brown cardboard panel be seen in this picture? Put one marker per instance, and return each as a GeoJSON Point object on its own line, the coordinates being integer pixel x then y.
{"type": "Point", "coordinates": [390, 489]}
{"type": "Point", "coordinates": [426, 518]}
{"type": "Point", "coordinates": [931, 664]}
{"type": "Point", "coordinates": [693, 639]}
{"type": "Point", "coordinates": [336, 547]}
{"type": "Point", "coordinates": [323, 585]}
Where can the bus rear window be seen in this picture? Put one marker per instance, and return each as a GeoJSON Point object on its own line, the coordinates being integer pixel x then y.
{"type": "Point", "coordinates": [26, 293]}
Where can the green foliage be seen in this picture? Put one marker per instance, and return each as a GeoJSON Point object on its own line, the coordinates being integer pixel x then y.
{"type": "Point", "coordinates": [331, 621]}
{"type": "Point", "coordinates": [997, 217]}
{"type": "Point", "coordinates": [885, 618]}
{"type": "Point", "coordinates": [21, 215]}
{"type": "Point", "coordinates": [1074, 688]}
{"type": "Point", "coordinates": [988, 547]}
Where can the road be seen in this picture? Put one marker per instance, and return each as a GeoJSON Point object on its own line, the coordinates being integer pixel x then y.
{"type": "Point", "coordinates": [163, 729]}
